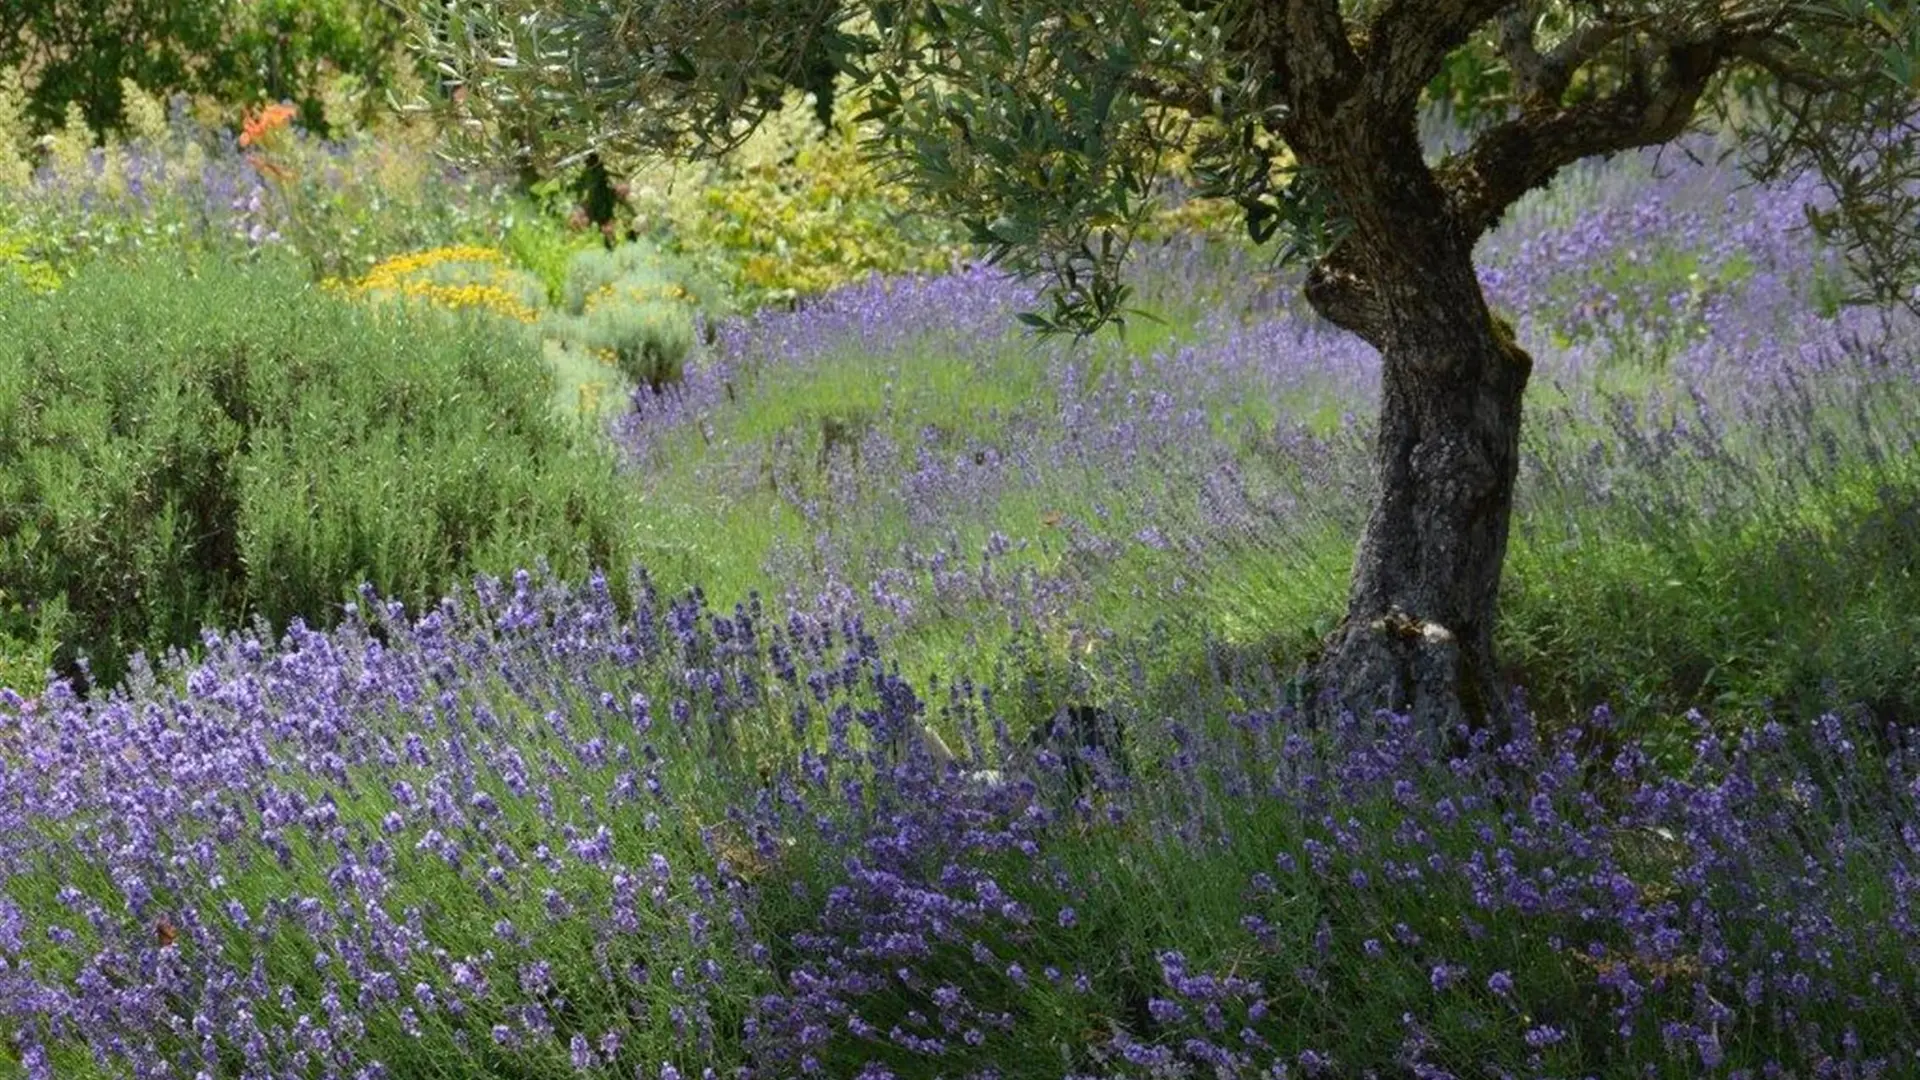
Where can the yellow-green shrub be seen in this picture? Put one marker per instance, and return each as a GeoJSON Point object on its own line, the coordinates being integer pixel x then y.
{"type": "Point", "coordinates": [539, 244]}
{"type": "Point", "coordinates": [16, 264]}
{"type": "Point", "coordinates": [15, 169]}
{"type": "Point", "coordinates": [794, 210]}
{"type": "Point", "coordinates": [797, 210]}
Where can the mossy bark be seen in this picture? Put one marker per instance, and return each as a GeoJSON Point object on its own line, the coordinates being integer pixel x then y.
{"type": "Point", "coordinates": [1418, 633]}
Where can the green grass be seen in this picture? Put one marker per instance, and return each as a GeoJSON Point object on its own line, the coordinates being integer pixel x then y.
{"type": "Point", "coordinates": [1798, 603]}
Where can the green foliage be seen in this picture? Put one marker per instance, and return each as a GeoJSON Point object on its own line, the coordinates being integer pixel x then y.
{"type": "Point", "coordinates": [1854, 130]}
{"type": "Point", "coordinates": [200, 448]}
{"type": "Point", "coordinates": [77, 51]}
{"type": "Point", "coordinates": [582, 63]}
{"type": "Point", "coordinates": [320, 54]}
{"type": "Point", "coordinates": [794, 210]}
{"type": "Point", "coordinates": [28, 639]}
{"type": "Point", "coordinates": [19, 266]}
{"type": "Point", "coordinates": [1473, 84]}
{"type": "Point", "coordinates": [539, 245]}
{"type": "Point", "coordinates": [332, 57]}
{"type": "Point", "coordinates": [626, 306]}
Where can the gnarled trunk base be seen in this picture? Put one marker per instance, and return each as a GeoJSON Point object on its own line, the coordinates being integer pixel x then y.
{"type": "Point", "coordinates": [1418, 668]}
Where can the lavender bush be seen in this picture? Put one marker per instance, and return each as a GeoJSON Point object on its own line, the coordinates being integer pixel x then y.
{"type": "Point", "coordinates": [519, 835]}
{"type": "Point", "coordinates": [1707, 422]}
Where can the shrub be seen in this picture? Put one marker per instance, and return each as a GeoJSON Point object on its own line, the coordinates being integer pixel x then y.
{"type": "Point", "coordinates": [334, 58]}
{"type": "Point", "coordinates": [459, 278]}
{"type": "Point", "coordinates": [626, 306]}
{"type": "Point", "coordinates": [27, 640]}
{"type": "Point", "coordinates": [169, 44]}
{"type": "Point", "coordinates": [794, 211]}
{"type": "Point", "coordinates": [539, 244]}
{"type": "Point", "coordinates": [17, 265]}
{"type": "Point", "coordinates": [213, 444]}
{"type": "Point", "coordinates": [15, 168]}
{"type": "Point", "coordinates": [798, 210]}
{"type": "Point", "coordinates": [297, 50]}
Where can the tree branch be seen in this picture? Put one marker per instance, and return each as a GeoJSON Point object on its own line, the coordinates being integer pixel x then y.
{"type": "Point", "coordinates": [1407, 40]}
{"type": "Point", "coordinates": [1524, 153]}
{"type": "Point", "coordinates": [1784, 67]}
{"type": "Point", "coordinates": [1519, 50]}
{"type": "Point", "coordinates": [1541, 79]}
{"type": "Point", "coordinates": [1310, 51]}
{"type": "Point", "coordinates": [1340, 293]}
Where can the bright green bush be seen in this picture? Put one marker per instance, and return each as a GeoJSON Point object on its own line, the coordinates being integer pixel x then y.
{"type": "Point", "coordinates": [195, 445]}
{"type": "Point", "coordinates": [20, 267]}
{"type": "Point", "coordinates": [540, 245]}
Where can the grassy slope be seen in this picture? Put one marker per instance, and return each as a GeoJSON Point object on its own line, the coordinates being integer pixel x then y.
{"type": "Point", "coordinates": [1604, 599]}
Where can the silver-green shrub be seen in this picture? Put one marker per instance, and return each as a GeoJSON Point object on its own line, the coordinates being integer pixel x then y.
{"type": "Point", "coordinates": [628, 307]}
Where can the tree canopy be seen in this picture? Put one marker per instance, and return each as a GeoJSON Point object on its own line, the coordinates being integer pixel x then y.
{"type": "Point", "coordinates": [78, 51]}
{"type": "Point", "coordinates": [1045, 127]}
{"type": "Point", "coordinates": [1044, 124]}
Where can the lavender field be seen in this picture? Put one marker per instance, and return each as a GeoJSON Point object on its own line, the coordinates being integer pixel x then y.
{"type": "Point", "coordinates": [1705, 416]}
{"type": "Point", "coordinates": [555, 826]}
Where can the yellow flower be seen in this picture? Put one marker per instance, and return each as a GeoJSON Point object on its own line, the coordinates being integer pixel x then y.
{"type": "Point", "coordinates": [392, 270]}
{"type": "Point", "coordinates": [588, 397]}
{"type": "Point", "coordinates": [404, 276]}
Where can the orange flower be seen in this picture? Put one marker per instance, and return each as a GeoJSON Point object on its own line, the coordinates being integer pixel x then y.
{"type": "Point", "coordinates": [258, 125]}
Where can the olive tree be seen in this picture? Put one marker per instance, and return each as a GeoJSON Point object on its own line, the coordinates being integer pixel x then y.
{"type": "Point", "coordinates": [1042, 125]}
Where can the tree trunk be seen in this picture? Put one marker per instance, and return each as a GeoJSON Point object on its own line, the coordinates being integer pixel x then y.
{"type": "Point", "coordinates": [1418, 634]}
